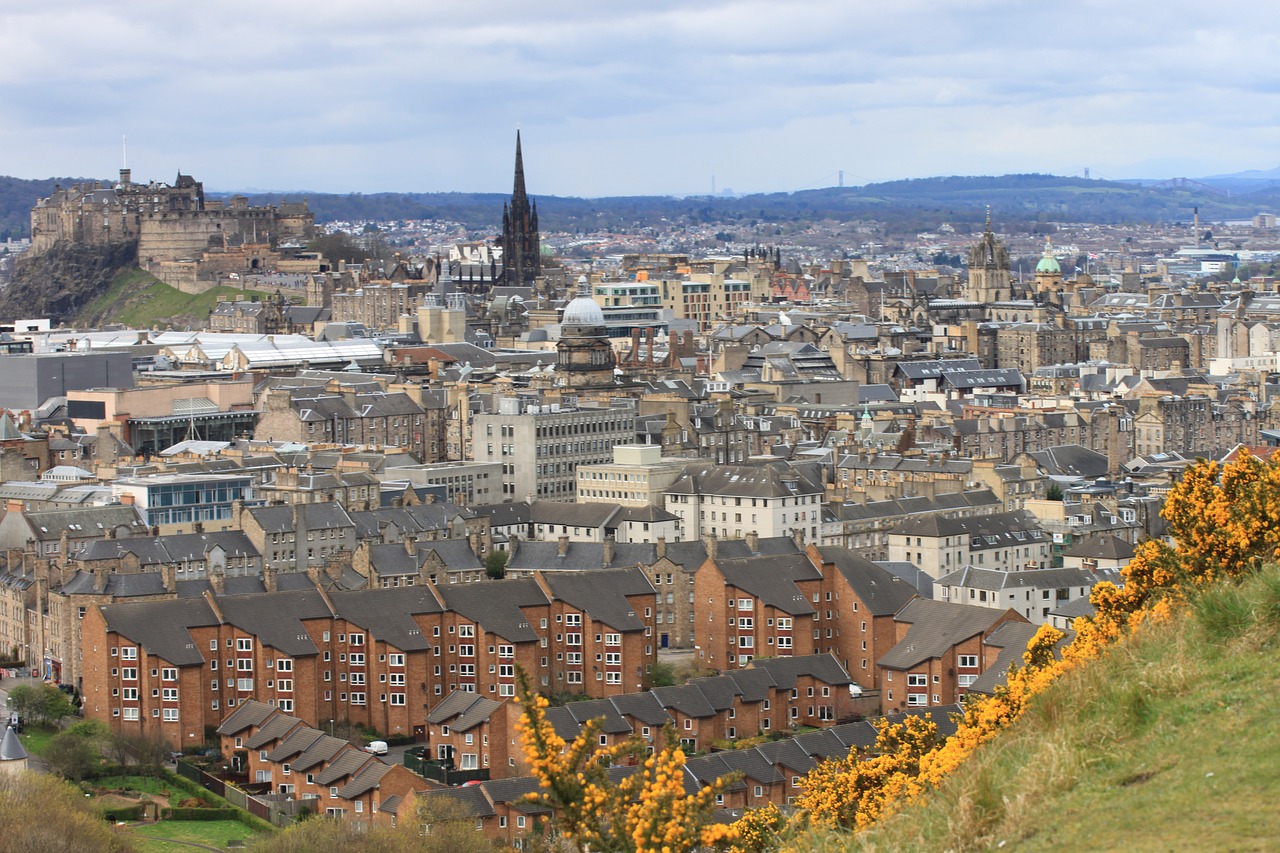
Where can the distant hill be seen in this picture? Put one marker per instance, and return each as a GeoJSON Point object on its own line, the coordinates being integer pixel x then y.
{"type": "Point", "coordinates": [1015, 200]}
{"type": "Point", "coordinates": [1018, 202]}
{"type": "Point", "coordinates": [18, 196]}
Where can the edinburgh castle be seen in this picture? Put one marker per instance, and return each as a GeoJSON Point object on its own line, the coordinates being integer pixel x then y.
{"type": "Point", "coordinates": [182, 238]}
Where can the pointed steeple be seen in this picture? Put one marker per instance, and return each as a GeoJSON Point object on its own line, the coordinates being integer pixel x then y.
{"type": "Point", "coordinates": [517, 191]}
{"type": "Point", "coordinates": [521, 252]}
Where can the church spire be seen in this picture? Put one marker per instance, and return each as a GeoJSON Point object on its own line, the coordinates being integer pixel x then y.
{"type": "Point", "coordinates": [521, 246]}
{"type": "Point", "coordinates": [517, 191]}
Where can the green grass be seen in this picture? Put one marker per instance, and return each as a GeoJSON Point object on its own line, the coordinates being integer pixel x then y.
{"type": "Point", "coordinates": [143, 784]}
{"type": "Point", "coordinates": [1169, 742]}
{"type": "Point", "coordinates": [214, 833]}
{"type": "Point", "coordinates": [36, 738]}
{"type": "Point", "coordinates": [140, 300]}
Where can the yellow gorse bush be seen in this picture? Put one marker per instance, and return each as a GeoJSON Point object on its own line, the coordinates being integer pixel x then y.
{"type": "Point", "coordinates": [646, 810]}
{"type": "Point", "coordinates": [1225, 520]}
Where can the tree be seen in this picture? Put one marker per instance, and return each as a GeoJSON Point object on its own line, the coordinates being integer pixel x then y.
{"type": "Point", "coordinates": [147, 752]}
{"type": "Point", "coordinates": [1053, 493]}
{"type": "Point", "coordinates": [77, 752]}
{"type": "Point", "coordinates": [41, 814]}
{"type": "Point", "coordinates": [495, 563]}
{"type": "Point", "coordinates": [645, 810]}
{"type": "Point", "coordinates": [40, 702]}
{"type": "Point", "coordinates": [443, 825]}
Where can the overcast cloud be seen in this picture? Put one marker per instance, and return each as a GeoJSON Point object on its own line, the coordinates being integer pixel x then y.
{"type": "Point", "coordinates": [635, 98]}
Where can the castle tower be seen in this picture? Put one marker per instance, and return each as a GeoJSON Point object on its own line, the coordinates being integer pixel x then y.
{"type": "Point", "coordinates": [521, 246]}
{"type": "Point", "coordinates": [584, 355]}
{"type": "Point", "coordinates": [989, 277]}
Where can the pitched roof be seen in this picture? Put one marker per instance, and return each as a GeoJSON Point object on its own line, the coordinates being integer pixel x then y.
{"type": "Point", "coordinates": [602, 594]}
{"type": "Point", "coordinates": [936, 626]}
{"type": "Point", "coordinates": [879, 590]}
{"type": "Point", "coordinates": [463, 710]}
{"type": "Point", "coordinates": [772, 580]}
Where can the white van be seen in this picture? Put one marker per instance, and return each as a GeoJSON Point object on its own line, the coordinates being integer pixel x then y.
{"type": "Point", "coordinates": [378, 747]}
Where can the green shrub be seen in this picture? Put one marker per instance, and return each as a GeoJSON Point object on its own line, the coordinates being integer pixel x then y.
{"type": "Point", "coordinates": [123, 814]}
{"type": "Point", "coordinates": [179, 813]}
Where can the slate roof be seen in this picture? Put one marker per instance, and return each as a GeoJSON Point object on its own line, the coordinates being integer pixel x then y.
{"type": "Point", "coordinates": [275, 729]}
{"type": "Point", "coordinates": [495, 606]}
{"type": "Point", "coordinates": [936, 626]}
{"type": "Point", "coordinates": [463, 711]}
{"type": "Point", "coordinates": [772, 580]}
{"type": "Point", "coordinates": [160, 627]}
{"type": "Point", "coordinates": [685, 698]}
{"type": "Point", "coordinates": [602, 594]}
{"type": "Point", "coordinates": [348, 762]}
{"type": "Point", "coordinates": [275, 618]}
{"type": "Point", "coordinates": [387, 614]}
{"type": "Point", "coordinates": [1103, 547]}
{"type": "Point", "coordinates": [250, 713]}
{"type": "Point", "coordinates": [748, 481]}
{"type": "Point", "coordinates": [785, 670]}
{"type": "Point", "coordinates": [879, 590]}
{"type": "Point", "coordinates": [644, 707]}
{"type": "Point", "coordinates": [1071, 460]}
{"type": "Point", "coordinates": [365, 780]}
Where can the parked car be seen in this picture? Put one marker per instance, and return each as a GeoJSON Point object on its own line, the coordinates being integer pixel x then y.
{"type": "Point", "coordinates": [378, 747]}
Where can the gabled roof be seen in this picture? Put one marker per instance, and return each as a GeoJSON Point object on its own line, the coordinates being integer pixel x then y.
{"type": "Point", "coordinates": [879, 590]}
{"type": "Point", "coordinates": [463, 711]}
{"type": "Point", "coordinates": [936, 626]}
{"type": "Point", "coordinates": [250, 713]}
{"type": "Point", "coordinates": [772, 580]}
{"type": "Point", "coordinates": [496, 605]}
{"type": "Point", "coordinates": [602, 594]}
{"type": "Point", "coordinates": [387, 614]}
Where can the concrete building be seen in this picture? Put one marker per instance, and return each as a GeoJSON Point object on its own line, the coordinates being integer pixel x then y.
{"type": "Point", "coordinates": [541, 446]}
{"type": "Point", "coordinates": [28, 381]}
{"type": "Point", "coordinates": [638, 476]}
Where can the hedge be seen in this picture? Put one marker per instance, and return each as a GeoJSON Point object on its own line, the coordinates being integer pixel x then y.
{"type": "Point", "coordinates": [200, 814]}
{"type": "Point", "coordinates": [123, 814]}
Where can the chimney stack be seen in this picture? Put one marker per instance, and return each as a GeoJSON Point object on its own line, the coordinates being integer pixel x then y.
{"type": "Point", "coordinates": [709, 541]}
{"type": "Point", "coordinates": [753, 542]}
{"type": "Point", "coordinates": [660, 550]}
{"type": "Point", "coordinates": [609, 550]}
{"type": "Point", "coordinates": [562, 546]}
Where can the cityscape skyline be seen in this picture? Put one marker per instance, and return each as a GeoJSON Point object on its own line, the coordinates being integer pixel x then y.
{"type": "Point", "coordinates": [668, 101]}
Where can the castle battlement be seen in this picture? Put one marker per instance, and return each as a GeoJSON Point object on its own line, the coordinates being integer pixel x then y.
{"type": "Point", "coordinates": [172, 224]}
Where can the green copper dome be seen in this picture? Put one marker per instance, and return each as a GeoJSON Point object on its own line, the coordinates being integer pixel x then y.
{"type": "Point", "coordinates": [1048, 264]}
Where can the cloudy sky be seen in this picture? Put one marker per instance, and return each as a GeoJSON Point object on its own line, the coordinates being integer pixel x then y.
{"type": "Point", "coordinates": [652, 97]}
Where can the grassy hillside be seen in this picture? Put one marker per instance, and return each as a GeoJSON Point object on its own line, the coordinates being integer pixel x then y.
{"type": "Point", "coordinates": [1169, 742]}
{"type": "Point", "coordinates": [139, 299]}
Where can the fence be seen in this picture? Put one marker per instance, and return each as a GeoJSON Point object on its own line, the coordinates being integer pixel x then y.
{"type": "Point", "coordinates": [277, 812]}
{"type": "Point", "coordinates": [436, 771]}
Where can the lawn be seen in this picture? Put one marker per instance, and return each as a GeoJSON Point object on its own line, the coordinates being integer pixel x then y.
{"type": "Point", "coordinates": [36, 738]}
{"type": "Point", "coordinates": [142, 784]}
{"type": "Point", "coordinates": [214, 833]}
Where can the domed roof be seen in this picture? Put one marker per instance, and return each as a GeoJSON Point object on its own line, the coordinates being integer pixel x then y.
{"type": "Point", "coordinates": [582, 310]}
{"type": "Point", "coordinates": [1048, 264]}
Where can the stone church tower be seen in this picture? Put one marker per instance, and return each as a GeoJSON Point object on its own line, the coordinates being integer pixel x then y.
{"type": "Point", "coordinates": [584, 355]}
{"type": "Point", "coordinates": [990, 279]}
{"type": "Point", "coordinates": [521, 246]}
